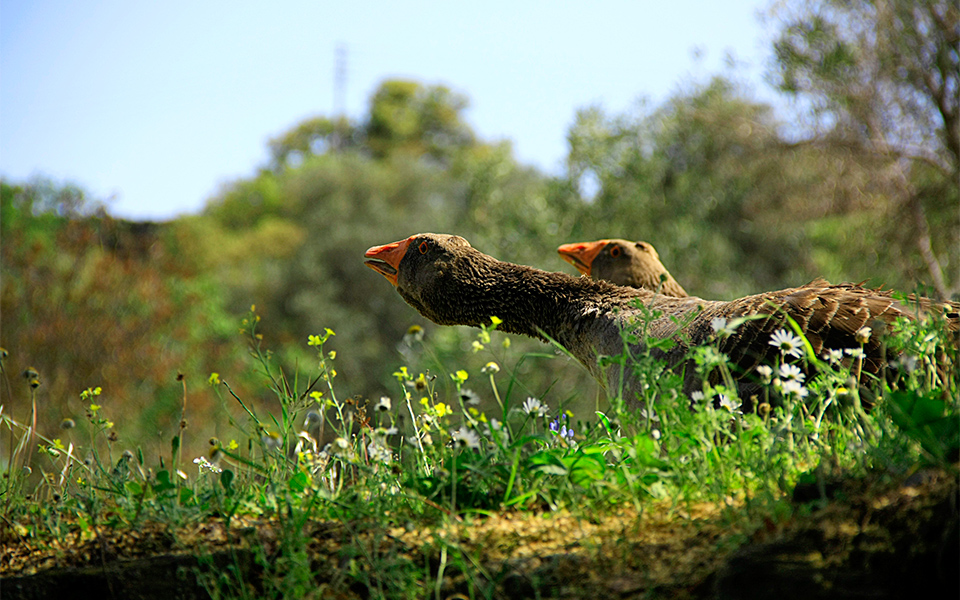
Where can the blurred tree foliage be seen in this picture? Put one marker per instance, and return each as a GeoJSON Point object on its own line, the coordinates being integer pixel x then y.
{"type": "Point", "coordinates": [88, 300]}
{"type": "Point", "coordinates": [735, 199]}
{"type": "Point", "coordinates": [882, 83]}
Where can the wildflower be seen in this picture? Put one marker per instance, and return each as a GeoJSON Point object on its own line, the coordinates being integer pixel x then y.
{"type": "Point", "coordinates": [305, 444]}
{"type": "Point", "coordinates": [414, 334]}
{"type": "Point", "coordinates": [490, 368]}
{"type": "Point", "coordinates": [787, 343]}
{"type": "Point", "coordinates": [697, 396]}
{"type": "Point", "coordinates": [420, 383]}
{"type": "Point", "coordinates": [729, 403]}
{"type": "Point", "coordinates": [722, 328]}
{"type": "Point", "coordinates": [214, 379]}
{"type": "Point", "coordinates": [469, 397]}
{"type": "Point", "coordinates": [340, 444]}
{"type": "Point", "coordinates": [792, 387]}
{"type": "Point", "coordinates": [379, 453]}
{"type": "Point", "coordinates": [271, 440]}
{"type": "Point", "coordinates": [559, 427]}
{"type": "Point", "coordinates": [495, 429]}
{"type": "Point", "coordinates": [384, 405]}
{"type": "Point", "coordinates": [833, 355]}
{"type": "Point", "coordinates": [533, 407]}
{"type": "Point", "coordinates": [765, 373]}
{"type": "Point", "coordinates": [204, 465]}
{"type": "Point", "coordinates": [909, 363]}
{"type": "Point", "coordinates": [442, 409]}
{"type": "Point", "coordinates": [465, 438]}
{"type": "Point", "coordinates": [854, 352]}
{"type": "Point", "coordinates": [791, 373]}
{"type": "Point", "coordinates": [863, 335]}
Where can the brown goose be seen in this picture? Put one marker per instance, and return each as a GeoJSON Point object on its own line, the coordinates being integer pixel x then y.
{"type": "Point", "coordinates": [451, 283]}
{"type": "Point", "coordinates": [634, 264]}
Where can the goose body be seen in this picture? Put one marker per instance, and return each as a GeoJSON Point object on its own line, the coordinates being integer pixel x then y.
{"type": "Point", "coordinates": [622, 262]}
{"type": "Point", "coordinates": [451, 283]}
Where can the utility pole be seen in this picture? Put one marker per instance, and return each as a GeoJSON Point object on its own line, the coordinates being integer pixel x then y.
{"type": "Point", "coordinates": [339, 94]}
{"type": "Point", "coordinates": [340, 80]}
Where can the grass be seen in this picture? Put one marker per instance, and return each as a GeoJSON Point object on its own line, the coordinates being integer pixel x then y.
{"type": "Point", "coordinates": [420, 495]}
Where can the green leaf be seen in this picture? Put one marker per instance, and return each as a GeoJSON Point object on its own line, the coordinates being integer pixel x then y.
{"type": "Point", "coordinates": [299, 482]}
{"type": "Point", "coordinates": [547, 462]}
{"type": "Point", "coordinates": [163, 482]}
{"type": "Point", "coordinates": [226, 479]}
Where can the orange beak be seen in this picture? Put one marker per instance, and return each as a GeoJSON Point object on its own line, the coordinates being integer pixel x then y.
{"type": "Point", "coordinates": [386, 259]}
{"type": "Point", "coordinates": [581, 254]}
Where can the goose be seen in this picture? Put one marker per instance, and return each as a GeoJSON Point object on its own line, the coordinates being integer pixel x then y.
{"type": "Point", "coordinates": [451, 283]}
{"type": "Point", "coordinates": [634, 264]}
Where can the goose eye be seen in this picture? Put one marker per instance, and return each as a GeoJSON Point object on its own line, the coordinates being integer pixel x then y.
{"type": "Point", "coordinates": [423, 247]}
{"type": "Point", "coordinates": [615, 251]}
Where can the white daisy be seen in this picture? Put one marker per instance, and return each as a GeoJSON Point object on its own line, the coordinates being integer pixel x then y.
{"type": "Point", "coordinates": [721, 328]}
{"type": "Point", "coordinates": [532, 406]}
{"type": "Point", "coordinates": [791, 372]}
{"type": "Point", "coordinates": [379, 453]}
{"type": "Point", "coordinates": [854, 352]}
{"type": "Point", "coordinates": [730, 404]}
{"type": "Point", "coordinates": [787, 343]}
{"type": "Point", "coordinates": [384, 405]}
{"type": "Point", "coordinates": [792, 387]}
{"type": "Point", "coordinates": [765, 373]}
{"type": "Point", "coordinates": [470, 397]}
{"type": "Point", "coordinates": [465, 438]}
{"type": "Point", "coordinates": [833, 355]}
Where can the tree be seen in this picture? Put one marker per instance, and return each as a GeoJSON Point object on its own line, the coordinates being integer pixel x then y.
{"type": "Point", "coordinates": [882, 80]}
{"type": "Point", "coordinates": [407, 117]}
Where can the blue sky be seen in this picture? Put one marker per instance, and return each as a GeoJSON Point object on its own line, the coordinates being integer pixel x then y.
{"type": "Point", "coordinates": [156, 105]}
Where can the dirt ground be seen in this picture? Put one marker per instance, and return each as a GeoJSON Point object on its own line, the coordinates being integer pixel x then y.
{"type": "Point", "coordinates": [872, 539]}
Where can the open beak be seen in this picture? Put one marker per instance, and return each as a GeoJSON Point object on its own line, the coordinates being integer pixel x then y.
{"type": "Point", "coordinates": [386, 259]}
{"type": "Point", "coordinates": [581, 254]}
